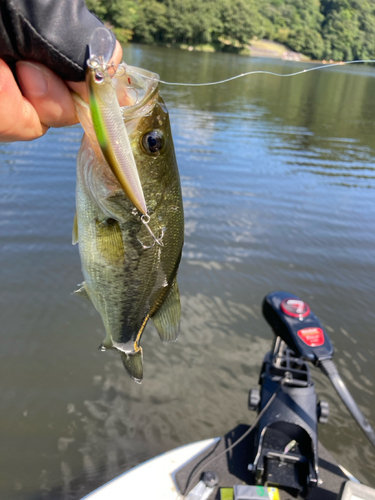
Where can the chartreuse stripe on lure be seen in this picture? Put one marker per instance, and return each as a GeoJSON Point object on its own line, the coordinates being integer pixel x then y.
{"type": "Point", "coordinates": [99, 125]}
{"type": "Point", "coordinates": [111, 133]}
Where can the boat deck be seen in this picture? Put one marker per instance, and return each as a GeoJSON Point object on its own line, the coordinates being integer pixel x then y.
{"type": "Point", "coordinates": [231, 468]}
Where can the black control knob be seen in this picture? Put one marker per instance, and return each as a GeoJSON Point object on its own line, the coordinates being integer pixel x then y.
{"type": "Point", "coordinates": [210, 479]}
{"type": "Point", "coordinates": [323, 412]}
{"type": "Point", "coordinates": [254, 399]}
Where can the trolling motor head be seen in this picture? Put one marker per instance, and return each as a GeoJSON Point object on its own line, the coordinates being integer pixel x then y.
{"type": "Point", "coordinates": [292, 320]}
{"type": "Point", "coordinates": [286, 434]}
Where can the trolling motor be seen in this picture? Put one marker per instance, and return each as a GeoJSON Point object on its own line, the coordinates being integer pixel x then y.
{"type": "Point", "coordinates": [277, 456]}
{"type": "Point", "coordinates": [286, 442]}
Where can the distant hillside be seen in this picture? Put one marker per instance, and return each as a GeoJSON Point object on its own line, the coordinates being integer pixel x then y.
{"type": "Point", "coordinates": [327, 29]}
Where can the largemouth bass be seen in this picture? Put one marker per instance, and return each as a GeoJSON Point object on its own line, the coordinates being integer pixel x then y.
{"type": "Point", "coordinates": [130, 261]}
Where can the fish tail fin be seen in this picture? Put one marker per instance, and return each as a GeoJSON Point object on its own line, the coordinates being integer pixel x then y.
{"type": "Point", "coordinates": [134, 364]}
{"type": "Point", "coordinates": [167, 318]}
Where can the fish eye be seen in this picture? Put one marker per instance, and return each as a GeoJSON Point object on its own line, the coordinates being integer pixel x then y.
{"type": "Point", "coordinates": [153, 141]}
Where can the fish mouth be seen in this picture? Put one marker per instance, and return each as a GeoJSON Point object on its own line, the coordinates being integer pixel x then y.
{"type": "Point", "coordinates": [135, 88]}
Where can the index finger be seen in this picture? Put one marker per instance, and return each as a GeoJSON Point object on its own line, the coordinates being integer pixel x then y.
{"type": "Point", "coordinates": [17, 113]}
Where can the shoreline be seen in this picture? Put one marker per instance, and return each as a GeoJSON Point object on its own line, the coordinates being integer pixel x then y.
{"type": "Point", "coordinates": [257, 48]}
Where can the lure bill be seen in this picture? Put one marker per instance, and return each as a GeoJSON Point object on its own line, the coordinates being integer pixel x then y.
{"type": "Point", "coordinates": [108, 120]}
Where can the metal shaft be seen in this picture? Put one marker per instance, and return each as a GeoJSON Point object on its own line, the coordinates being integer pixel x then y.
{"type": "Point", "coordinates": [329, 368]}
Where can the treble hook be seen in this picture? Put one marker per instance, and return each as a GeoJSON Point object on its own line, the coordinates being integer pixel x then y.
{"type": "Point", "coordinates": [145, 220]}
{"type": "Point", "coordinates": [120, 69]}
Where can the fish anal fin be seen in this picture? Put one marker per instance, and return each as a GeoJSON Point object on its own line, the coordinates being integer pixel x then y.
{"type": "Point", "coordinates": [167, 317]}
{"type": "Point", "coordinates": [75, 230]}
{"type": "Point", "coordinates": [82, 291]}
{"type": "Point", "coordinates": [133, 363]}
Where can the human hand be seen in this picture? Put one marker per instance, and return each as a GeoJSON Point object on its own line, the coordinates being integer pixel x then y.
{"type": "Point", "coordinates": [45, 43]}
{"type": "Point", "coordinates": [42, 100]}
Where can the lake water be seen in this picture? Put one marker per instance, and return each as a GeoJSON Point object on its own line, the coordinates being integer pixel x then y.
{"type": "Point", "coordinates": [278, 178]}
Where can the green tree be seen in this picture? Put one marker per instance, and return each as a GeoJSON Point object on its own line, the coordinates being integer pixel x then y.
{"type": "Point", "coordinates": [337, 29]}
{"type": "Point", "coordinates": [296, 23]}
{"type": "Point", "coordinates": [240, 21]}
{"type": "Point", "coordinates": [120, 15]}
{"type": "Point", "coordinates": [349, 29]}
{"type": "Point", "coordinates": [151, 23]}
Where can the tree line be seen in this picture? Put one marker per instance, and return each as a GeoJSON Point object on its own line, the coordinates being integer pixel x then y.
{"type": "Point", "coordinates": [321, 29]}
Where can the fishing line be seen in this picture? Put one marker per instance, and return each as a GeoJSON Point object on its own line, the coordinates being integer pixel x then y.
{"type": "Point", "coordinates": [259, 72]}
{"type": "Point", "coordinates": [241, 438]}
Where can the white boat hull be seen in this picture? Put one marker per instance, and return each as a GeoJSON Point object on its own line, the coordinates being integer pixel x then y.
{"type": "Point", "coordinates": [152, 479]}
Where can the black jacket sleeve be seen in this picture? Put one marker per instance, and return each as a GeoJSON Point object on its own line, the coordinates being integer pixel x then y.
{"type": "Point", "coordinates": [55, 33]}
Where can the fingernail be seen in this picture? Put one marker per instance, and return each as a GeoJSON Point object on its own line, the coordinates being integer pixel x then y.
{"type": "Point", "coordinates": [32, 79]}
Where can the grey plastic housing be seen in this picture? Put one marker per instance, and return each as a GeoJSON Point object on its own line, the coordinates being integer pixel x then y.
{"type": "Point", "coordinates": [356, 491]}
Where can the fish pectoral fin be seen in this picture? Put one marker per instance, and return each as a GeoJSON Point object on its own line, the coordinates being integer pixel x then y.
{"type": "Point", "coordinates": [133, 362]}
{"type": "Point", "coordinates": [167, 317]}
{"type": "Point", "coordinates": [75, 230]}
{"type": "Point", "coordinates": [109, 241]}
{"type": "Point", "coordinates": [82, 291]}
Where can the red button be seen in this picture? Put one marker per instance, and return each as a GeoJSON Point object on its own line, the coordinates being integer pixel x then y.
{"type": "Point", "coordinates": [295, 307]}
{"type": "Point", "coordinates": [313, 337]}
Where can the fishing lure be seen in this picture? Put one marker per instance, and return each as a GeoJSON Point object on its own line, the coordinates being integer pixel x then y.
{"type": "Point", "coordinates": [108, 120]}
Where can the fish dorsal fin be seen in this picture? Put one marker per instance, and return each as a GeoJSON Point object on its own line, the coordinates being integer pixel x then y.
{"type": "Point", "coordinates": [167, 317]}
{"type": "Point", "coordinates": [75, 230]}
{"type": "Point", "coordinates": [109, 241]}
{"type": "Point", "coordinates": [134, 364]}
{"type": "Point", "coordinates": [82, 291]}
